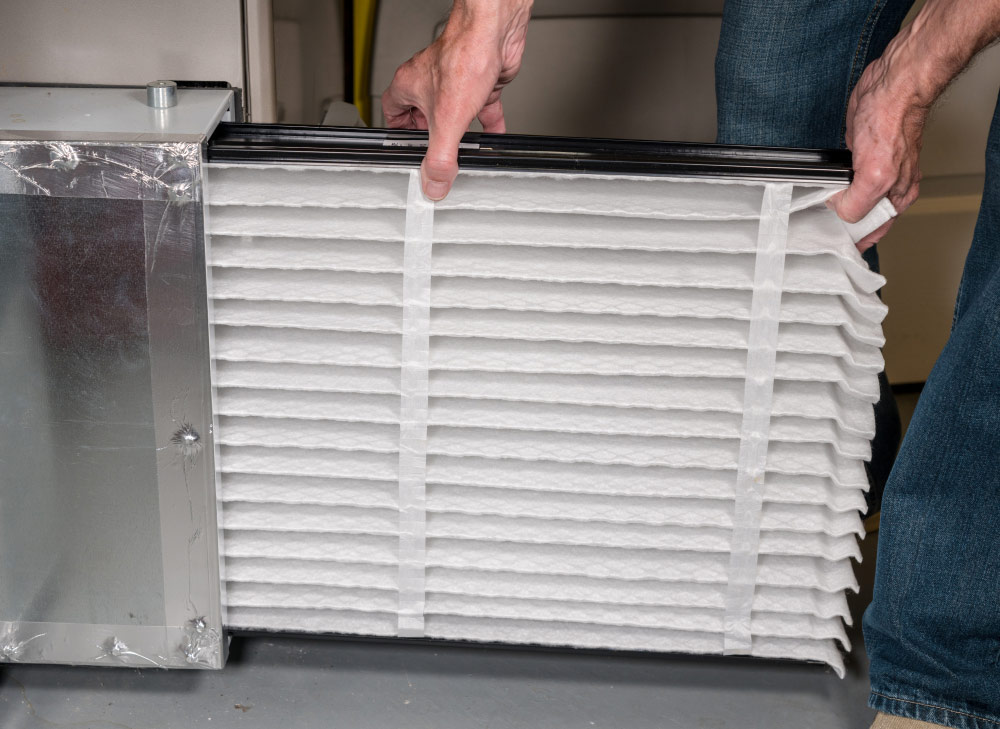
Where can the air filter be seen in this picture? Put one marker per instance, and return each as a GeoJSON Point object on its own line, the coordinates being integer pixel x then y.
{"type": "Point", "coordinates": [600, 397]}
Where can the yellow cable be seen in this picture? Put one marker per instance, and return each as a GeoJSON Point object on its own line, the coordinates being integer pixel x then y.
{"type": "Point", "coordinates": [364, 31]}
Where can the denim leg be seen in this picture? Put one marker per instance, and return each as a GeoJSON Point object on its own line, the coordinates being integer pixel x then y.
{"type": "Point", "coordinates": [785, 68]}
{"type": "Point", "coordinates": [933, 629]}
{"type": "Point", "coordinates": [783, 76]}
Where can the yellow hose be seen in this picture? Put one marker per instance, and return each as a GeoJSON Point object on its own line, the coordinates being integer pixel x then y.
{"type": "Point", "coordinates": [364, 31]}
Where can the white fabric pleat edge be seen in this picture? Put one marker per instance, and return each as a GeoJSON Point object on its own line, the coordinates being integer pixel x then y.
{"type": "Point", "coordinates": [823, 187]}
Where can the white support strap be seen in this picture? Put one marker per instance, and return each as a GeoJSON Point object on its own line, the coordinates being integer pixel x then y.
{"type": "Point", "coordinates": [418, 239]}
{"type": "Point", "coordinates": [762, 346]}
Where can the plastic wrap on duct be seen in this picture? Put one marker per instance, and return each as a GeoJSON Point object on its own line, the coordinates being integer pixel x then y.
{"type": "Point", "coordinates": [143, 171]}
{"type": "Point", "coordinates": [108, 523]}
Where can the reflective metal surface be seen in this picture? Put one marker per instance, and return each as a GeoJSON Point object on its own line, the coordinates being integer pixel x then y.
{"type": "Point", "coordinates": [107, 480]}
{"type": "Point", "coordinates": [161, 94]}
{"type": "Point", "coordinates": [76, 416]}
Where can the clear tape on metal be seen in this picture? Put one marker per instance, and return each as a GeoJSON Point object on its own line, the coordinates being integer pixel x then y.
{"type": "Point", "coordinates": [195, 644]}
{"type": "Point", "coordinates": [124, 171]}
{"type": "Point", "coordinates": [765, 309]}
{"type": "Point", "coordinates": [418, 238]}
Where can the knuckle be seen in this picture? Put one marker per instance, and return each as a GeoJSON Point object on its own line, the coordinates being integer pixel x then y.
{"type": "Point", "coordinates": [440, 166]}
{"type": "Point", "coordinates": [876, 177]}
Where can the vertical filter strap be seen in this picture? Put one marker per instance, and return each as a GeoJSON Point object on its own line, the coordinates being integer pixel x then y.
{"type": "Point", "coordinates": [418, 239]}
{"type": "Point", "coordinates": [762, 346]}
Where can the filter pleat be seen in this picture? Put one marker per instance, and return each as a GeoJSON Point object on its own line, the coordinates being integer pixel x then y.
{"type": "Point", "coordinates": [586, 363]}
{"type": "Point", "coordinates": [372, 575]}
{"type": "Point", "coordinates": [513, 415]}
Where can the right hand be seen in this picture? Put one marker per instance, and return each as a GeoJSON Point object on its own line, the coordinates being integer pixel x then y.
{"type": "Point", "coordinates": [456, 79]}
{"type": "Point", "coordinates": [885, 126]}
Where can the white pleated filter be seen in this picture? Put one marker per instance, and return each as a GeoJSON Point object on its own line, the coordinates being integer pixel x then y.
{"type": "Point", "coordinates": [523, 414]}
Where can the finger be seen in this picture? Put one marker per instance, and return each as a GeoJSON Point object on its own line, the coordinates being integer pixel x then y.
{"type": "Point", "coordinates": [440, 165]}
{"type": "Point", "coordinates": [418, 119]}
{"type": "Point", "coordinates": [402, 97]}
{"type": "Point", "coordinates": [874, 237]}
{"type": "Point", "coordinates": [491, 117]}
{"type": "Point", "coordinates": [406, 120]}
{"type": "Point", "coordinates": [394, 109]}
{"type": "Point", "coordinates": [906, 193]}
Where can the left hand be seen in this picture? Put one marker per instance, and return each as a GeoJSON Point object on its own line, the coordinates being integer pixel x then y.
{"type": "Point", "coordinates": [456, 79]}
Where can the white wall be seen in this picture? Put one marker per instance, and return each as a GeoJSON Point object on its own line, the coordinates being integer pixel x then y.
{"type": "Point", "coordinates": [132, 42]}
{"type": "Point", "coordinates": [309, 63]}
{"type": "Point", "coordinates": [609, 68]}
{"type": "Point", "coordinates": [127, 42]}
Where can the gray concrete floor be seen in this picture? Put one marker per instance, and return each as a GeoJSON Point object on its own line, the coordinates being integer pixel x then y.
{"type": "Point", "coordinates": [301, 683]}
{"type": "Point", "coordinates": [292, 682]}
{"type": "Point", "coordinates": [309, 682]}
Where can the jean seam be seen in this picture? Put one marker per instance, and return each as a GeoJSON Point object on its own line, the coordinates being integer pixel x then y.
{"type": "Point", "coordinates": [864, 42]}
{"type": "Point", "coordinates": [935, 706]}
{"type": "Point", "coordinates": [958, 302]}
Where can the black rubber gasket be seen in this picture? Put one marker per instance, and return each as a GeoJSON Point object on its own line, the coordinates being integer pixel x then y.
{"type": "Point", "coordinates": [272, 143]}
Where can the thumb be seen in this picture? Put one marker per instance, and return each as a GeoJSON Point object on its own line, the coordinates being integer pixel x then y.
{"type": "Point", "coordinates": [440, 165]}
{"type": "Point", "coordinates": [855, 202]}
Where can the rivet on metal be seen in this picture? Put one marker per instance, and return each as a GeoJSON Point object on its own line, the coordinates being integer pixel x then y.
{"type": "Point", "coordinates": [187, 440]}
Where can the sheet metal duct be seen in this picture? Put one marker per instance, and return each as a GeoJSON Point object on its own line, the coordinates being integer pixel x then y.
{"type": "Point", "coordinates": [108, 524]}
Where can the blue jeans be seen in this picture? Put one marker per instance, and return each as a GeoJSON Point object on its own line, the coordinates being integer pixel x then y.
{"type": "Point", "coordinates": [784, 73]}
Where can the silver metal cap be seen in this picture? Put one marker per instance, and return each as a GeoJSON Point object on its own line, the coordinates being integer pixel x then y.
{"type": "Point", "coordinates": [161, 94]}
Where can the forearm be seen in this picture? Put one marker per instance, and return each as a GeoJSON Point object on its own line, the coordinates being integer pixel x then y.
{"type": "Point", "coordinates": [937, 46]}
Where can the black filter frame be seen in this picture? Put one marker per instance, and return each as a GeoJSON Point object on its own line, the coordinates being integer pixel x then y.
{"type": "Point", "coordinates": [288, 144]}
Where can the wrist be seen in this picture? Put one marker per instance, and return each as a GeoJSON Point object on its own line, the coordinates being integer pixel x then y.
{"type": "Point", "coordinates": [912, 76]}
{"type": "Point", "coordinates": [493, 17]}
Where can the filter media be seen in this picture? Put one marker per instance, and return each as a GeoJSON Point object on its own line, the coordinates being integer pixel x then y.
{"type": "Point", "coordinates": [560, 409]}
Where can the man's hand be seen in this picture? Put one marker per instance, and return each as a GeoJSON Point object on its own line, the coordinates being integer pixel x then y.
{"type": "Point", "coordinates": [885, 134]}
{"type": "Point", "coordinates": [890, 104]}
{"type": "Point", "coordinates": [456, 79]}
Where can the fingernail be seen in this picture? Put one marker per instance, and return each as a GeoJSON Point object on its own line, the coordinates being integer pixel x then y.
{"type": "Point", "coordinates": [434, 190]}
